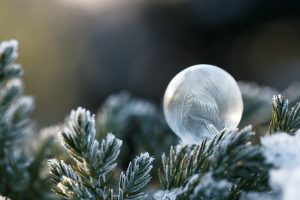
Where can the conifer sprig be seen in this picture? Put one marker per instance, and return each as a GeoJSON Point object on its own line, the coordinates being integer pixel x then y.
{"type": "Point", "coordinates": [227, 163]}
{"type": "Point", "coordinates": [14, 124]}
{"type": "Point", "coordinates": [285, 118]}
{"type": "Point", "coordinates": [135, 178]}
{"type": "Point", "coordinates": [241, 163]}
{"type": "Point", "coordinates": [92, 159]}
{"type": "Point", "coordinates": [86, 178]}
{"type": "Point", "coordinates": [185, 161]}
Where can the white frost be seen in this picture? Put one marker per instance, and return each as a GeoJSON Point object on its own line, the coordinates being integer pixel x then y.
{"type": "Point", "coordinates": [9, 44]}
{"type": "Point", "coordinates": [286, 181]}
{"type": "Point", "coordinates": [282, 149]}
{"type": "Point", "coordinates": [167, 194]}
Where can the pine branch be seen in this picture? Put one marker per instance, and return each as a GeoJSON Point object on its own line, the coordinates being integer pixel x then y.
{"type": "Point", "coordinates": [205, 168]}
{"type": "Point", "coordinates": [14, 125]}
{"type": "Point", "coordinates": [14, 107]}
{"type": "Point", "coordinates": [257, 107]}
{"type": "Point", "coordinates": [138, 122]}
{"type": "Point", "coordinates": [185, 161]}
{"type": "Point", "coordinates": [8, 54]}
{"type": "Point", "coordinates": [284, 117]}
{"type": "Point", "coordinates": [198, 161]}
{"type": "Point", "coordinates": [73, 190]}
{"type": "Point", "coordinates": [206, 187]}
{"type": "Point", "coordinates": [15, 175]}
{"type": "Point", "coordinates": [59, 169]}
{"type": "Point", "coordinates": [21, 173]}
{"type": "Point", "coordinates": [243, 164]}
{"type": "Point", "coordinates": [135, 178]}
{"type": "Point", "coordinates": [67, 182]}
{"type": "Point", "coordinates": [92, 159]}
{"type": "Point", "coordinates": [173, 165]}
{"type": "Point", "coordinates": [86, 178]}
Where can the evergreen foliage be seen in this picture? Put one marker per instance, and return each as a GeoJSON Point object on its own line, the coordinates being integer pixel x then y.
{"type": "Point", "coordinates": [284, 117]}
{"type": "Point", "coordinates": [19, 167]}
{"type": "Point", "coordinates": [135, 178]}
{"type": "Point", "coordinates": [138, 122]}
{"type": "Point", "coordinates": [257, 108]}
{"type": "Point", "coordinates": [14, 123]}
{"type": "Point", "coordinates": [185, 161]}
{"type": "Point", "coordinates": [228, 158]}
{"type": "Point", "coordinates": [235, 164]}
{"type": "Point", "coordinates": [86, 178]}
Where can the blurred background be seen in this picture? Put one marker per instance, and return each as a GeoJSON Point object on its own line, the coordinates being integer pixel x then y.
{"type": "Point", "coordinates": [77, 52]}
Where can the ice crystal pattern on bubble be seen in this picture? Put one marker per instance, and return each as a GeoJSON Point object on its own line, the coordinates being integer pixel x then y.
{"type": "Point", "coordinates": [200, 101]}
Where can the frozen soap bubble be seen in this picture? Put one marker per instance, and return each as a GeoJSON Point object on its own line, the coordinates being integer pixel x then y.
{"type": "Point", "coordinates": [200, 101]}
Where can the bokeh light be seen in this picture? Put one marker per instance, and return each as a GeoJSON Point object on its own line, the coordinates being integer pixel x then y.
{"type": "Point", "coordinates": [77, 52]}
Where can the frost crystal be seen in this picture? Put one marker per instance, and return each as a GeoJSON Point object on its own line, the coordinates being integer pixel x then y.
{"type": "Point", "coordinates": [167, 194]}
{"type": "Point", "coordinates": [210, 188]}
{"type": "Point", "coordinates": [9, 47]}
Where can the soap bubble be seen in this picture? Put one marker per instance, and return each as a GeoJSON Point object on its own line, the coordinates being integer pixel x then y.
{"type": "Point", "coordinates": [200, 101]}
